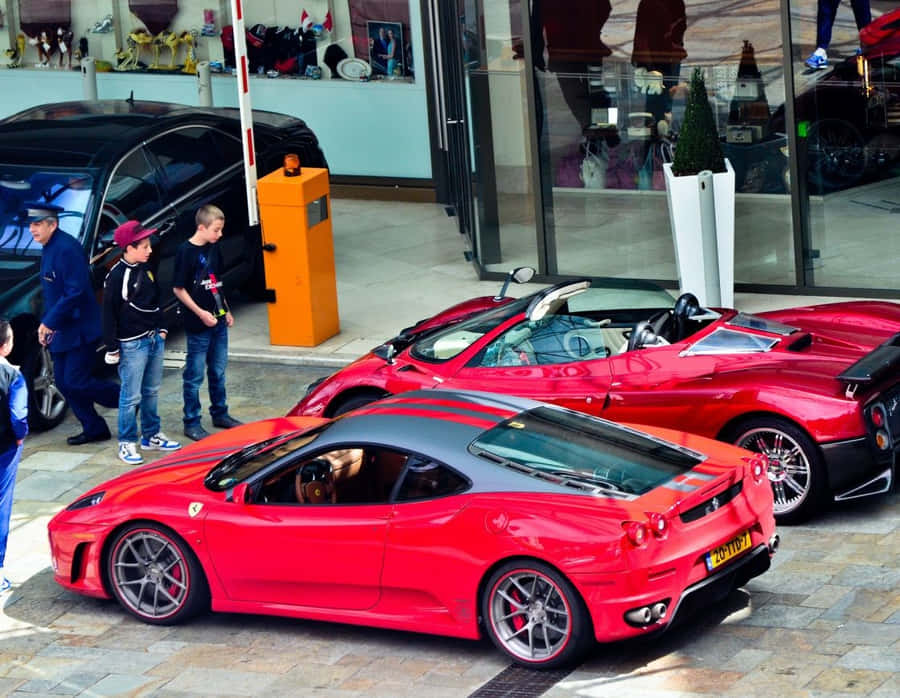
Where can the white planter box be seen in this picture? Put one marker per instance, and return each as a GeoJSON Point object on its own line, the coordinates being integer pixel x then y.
{"type": "Point", "coordinates": [696, 270]}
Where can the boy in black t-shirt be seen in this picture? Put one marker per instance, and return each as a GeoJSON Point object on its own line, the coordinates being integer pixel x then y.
{"type": "Point", "coordinates": [206, 321]}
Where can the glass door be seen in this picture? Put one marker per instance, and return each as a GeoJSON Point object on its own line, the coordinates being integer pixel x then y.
{"type": "Point", "coordinates": [846, 74]}
{"type": "Point", "coordinates": [446, 20]}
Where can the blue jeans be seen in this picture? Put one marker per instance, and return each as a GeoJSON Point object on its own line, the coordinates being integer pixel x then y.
{"type": "Point", "coordinates": [75, 381]}
{"type": "Point", "coordinates": [209, 347]}
{"type": "Point", "coordinates": [9, 464]}
{"type": "Point", "coordinates": [140, 371]}
{"type": "Point", "coordinates": [827, 12]}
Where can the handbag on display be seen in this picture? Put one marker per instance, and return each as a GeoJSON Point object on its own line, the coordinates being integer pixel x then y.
{"type": "Point", "coordinates": [593, 166]}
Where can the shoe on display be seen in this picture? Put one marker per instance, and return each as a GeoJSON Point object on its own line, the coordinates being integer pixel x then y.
{"type": "Point", "coordinates": [817, 61]}
{"type": "Point", "coordinates": [196, 432]}
{"type": "Point", "coordinates": [159, 442]}
{"type": "Point", "coordinates": [5, 584]}
{"type": "Point", "coordinates": [128, 453]}
{"type": "Point", "coordinates": [83, 438]}
{"type": "Point", "coordinates": [226, 422]}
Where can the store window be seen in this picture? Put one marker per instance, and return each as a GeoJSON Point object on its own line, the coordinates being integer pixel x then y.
{"type": "Point", "coordinates": [610, 85]}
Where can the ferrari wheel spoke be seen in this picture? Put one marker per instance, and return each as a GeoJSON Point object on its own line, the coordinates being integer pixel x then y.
{"type": "Point", "coordinates": [511, 600]}
{"type": "Point", "coordinates": [514, 614]}
{"type": "Point", "coordinates": [176, 582]}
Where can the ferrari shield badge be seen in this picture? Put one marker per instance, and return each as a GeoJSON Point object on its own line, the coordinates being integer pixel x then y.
{"type": "Point", "coordinates": [194, 508]}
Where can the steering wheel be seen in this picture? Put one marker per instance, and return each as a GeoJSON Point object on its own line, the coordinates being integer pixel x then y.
{"type": "Point", "coordinates": [314, 483]}
{"type": "Point", "coordinates": [685, 308]}
{"type": "Point", "coordinates": [642, 334]}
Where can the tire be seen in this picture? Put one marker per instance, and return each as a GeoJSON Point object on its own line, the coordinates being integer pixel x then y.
{"type": "Point", "coordinates": [343, 405]}
{"type": "Point", "coordinates": [155, 576]}
{"type": "Point", "coordinates": [796, 467]}
{"type": "Point", "coordinates": [535, 616]}
{"type": "Point", "coordinates": [46, 404]}
{"type": "Point", "coordinates": [837, 155]}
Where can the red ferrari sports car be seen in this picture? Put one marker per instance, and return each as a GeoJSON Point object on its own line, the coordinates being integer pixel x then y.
{"type": "Point", "coordinates": [453, 513]}
{"type": "Point", "coordinates": [815, 389]}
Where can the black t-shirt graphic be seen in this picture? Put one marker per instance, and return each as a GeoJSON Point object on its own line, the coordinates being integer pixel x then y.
{"type": "Point", "coordinates": [197, 269]}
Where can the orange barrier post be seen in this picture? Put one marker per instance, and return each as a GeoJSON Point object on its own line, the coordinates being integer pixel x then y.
{"type": "Point", "coordinates": [298, 249]}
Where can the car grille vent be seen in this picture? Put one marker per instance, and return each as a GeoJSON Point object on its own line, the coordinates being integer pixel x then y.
{"type": "Point", "coordinates": [710, 505]}
{"type": "Point", "coordinates": [804, 341]}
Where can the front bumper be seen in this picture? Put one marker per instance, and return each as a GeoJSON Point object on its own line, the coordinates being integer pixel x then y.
{"type": "Point", "coordinates": [76, 554]}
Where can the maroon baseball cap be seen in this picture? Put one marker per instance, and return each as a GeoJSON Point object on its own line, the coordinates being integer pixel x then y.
{"type": "Point", "coordinates": [131, 232]}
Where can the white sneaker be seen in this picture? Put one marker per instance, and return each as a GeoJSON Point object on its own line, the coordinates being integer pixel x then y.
{"type": "Point", "coordinates": [159, 442]}
{"type": "Point", "coordinates": [128, 453]}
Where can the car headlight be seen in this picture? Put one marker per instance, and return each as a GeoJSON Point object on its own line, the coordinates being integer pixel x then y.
{"type": "Point", "coordinates": [88, 500]}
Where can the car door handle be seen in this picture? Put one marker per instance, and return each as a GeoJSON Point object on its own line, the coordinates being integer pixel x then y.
{"type": "Point", "coordinates": [165, 227]}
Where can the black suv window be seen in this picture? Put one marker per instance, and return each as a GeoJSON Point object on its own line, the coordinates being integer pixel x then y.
{"type": "Point", "coordinates": [189, 157]}
{"type": "Point", "coordinates": [133, 191]}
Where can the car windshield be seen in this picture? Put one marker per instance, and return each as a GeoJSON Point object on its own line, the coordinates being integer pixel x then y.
{"type": "Point", "coordinates": [451, 342]}
{"type": "Point", "coordinates": [252, 459]}
{"type": "Point", "coordinates": [70, 189]}
{"type": "Point", "coordinates": [581, 451]}
{"type": "Point", "coordinates": [603, 298]}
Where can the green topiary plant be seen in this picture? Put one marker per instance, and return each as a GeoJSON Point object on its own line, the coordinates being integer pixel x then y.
{"type": "Point", "coordinates": [698, 147]}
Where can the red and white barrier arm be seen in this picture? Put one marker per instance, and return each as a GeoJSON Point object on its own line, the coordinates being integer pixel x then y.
{"type": "Point", "coordinates": [243, 78]}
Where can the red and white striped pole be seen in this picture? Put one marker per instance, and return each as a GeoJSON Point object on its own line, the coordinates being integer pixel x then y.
{"type": "Point", "coordinates": [243, 76]}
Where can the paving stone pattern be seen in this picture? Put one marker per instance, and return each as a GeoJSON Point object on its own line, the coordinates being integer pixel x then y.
{"type": "Point", "coordinates": [824, 621]}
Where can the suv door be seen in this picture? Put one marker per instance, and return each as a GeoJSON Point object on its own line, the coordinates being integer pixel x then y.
{"type": "Point", "coordinates": [201, 165]}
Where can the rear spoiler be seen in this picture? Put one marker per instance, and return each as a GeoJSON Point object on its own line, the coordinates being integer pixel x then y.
{"type": "Point", "coordinates": [877, 363]}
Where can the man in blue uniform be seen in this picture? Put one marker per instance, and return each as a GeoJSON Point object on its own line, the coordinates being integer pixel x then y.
{"type": "Point", "coordinates": [71, 324]}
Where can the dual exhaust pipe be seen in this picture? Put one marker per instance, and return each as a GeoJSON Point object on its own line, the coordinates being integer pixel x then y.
{"type": "Point", "coordinates": [645, 615]}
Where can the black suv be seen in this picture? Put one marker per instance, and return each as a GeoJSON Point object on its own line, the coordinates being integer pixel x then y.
{"type": "Point", "coordinates": [110, 161]}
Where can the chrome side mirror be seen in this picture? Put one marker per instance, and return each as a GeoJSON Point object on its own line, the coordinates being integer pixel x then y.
{"type": "Point", "coordinates": [521, 275]}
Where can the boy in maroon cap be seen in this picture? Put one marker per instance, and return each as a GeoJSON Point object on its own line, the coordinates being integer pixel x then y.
{"type": "Point", "coordinates": [134, 332]}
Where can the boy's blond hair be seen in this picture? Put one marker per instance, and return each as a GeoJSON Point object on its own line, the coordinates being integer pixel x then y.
{"type": "Point", "coordinates": [207, 214]}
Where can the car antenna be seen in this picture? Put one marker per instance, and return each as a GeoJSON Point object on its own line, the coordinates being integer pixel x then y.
{"type": "Point", "coordinates": [130, 99]}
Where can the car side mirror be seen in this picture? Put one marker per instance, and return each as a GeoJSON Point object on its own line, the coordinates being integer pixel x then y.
{"type": "Point", "coordinates": [521, 275]}
{"type": "Point", "coordinates": [241, 494]}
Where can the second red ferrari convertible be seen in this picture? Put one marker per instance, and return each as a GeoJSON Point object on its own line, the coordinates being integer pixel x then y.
{"type": "Point", "coordinates": [453, 513]}
{"type": "Point", "coordinates": [815, 389]}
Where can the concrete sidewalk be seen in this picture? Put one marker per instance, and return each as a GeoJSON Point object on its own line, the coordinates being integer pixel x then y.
{"type": "Point", "coordinates": [396, 263]}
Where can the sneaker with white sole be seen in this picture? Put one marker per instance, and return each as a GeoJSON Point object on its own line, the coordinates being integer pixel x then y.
{"type": "Point", "coordinates": [128, 453]}
{"type": "Point", "coordinates": [159, 442]}
{"type": "Point", "coordinates": [817, 62]}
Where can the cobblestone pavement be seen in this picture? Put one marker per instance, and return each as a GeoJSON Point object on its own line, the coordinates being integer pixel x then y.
{"type": "Point", "coordinates": [825, 621]}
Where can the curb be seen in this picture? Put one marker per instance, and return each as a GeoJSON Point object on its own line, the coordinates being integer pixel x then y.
{"type": "Point", "coordinates": [175, 359]}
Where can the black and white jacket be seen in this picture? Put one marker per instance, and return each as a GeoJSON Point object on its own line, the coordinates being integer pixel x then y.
{"type": "Point", "coordinates": [130, 304]}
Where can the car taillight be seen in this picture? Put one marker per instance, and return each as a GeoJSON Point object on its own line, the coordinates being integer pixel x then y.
{"type": "Point", "coordinates": [659, 524]}
{"type": "Point", "coordinates": [876, 414]}
{"type": "Point", "coordinates": [758, 466]}
{"type": "Point", "coordinates": [882, 440]}
{"type": "Point", "coordinates": [637, 532]}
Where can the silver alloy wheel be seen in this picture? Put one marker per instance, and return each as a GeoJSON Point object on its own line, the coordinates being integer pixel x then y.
{"type": "Point", "coordinates": [530, 615]}
{"type": "Point", "coordinates": [789, 469]}
{"type": "Point", "coordinates": [47, 396]}
{"type": "Point", "coordinates": [150, 574]}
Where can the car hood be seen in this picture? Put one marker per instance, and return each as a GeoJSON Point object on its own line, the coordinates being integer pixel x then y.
{"type": "Point", "coordinates": [187, 467]}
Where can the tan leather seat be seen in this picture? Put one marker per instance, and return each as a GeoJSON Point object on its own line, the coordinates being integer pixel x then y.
{"type": "Point", "coordinates": [345, 463]}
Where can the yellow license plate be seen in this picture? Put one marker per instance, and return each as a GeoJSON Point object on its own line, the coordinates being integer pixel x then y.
{"type": "Point", "coordinates": [719, 556]}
